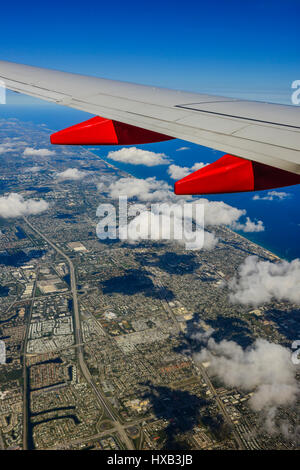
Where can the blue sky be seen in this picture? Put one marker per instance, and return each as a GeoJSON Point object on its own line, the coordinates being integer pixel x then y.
{"type": "Point", "coordinates": [235, 47]}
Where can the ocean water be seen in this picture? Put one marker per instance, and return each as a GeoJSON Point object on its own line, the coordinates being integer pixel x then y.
{"type": "Point", "coordinates": [281, 218]}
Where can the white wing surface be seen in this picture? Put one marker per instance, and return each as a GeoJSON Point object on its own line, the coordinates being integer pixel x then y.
{"type": "Point", "coordinates": [261, 132]}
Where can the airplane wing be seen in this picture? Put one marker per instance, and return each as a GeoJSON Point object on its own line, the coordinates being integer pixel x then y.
{"type": "Point", "coordinates": [261, 140]}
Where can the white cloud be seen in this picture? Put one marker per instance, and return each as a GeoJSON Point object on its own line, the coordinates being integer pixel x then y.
{"type": "Point", "coordinates": [249, 226]}
{"type": "Point", "coordinates": [181, 149]}
{"type": "Point", "coordinates": [154, 225]}
{"type": "Point", "coordinates": [6, 147]}
{"type": "Point", "coordinates": [33, 169]}
{"type": "Point", "coordinates": [152, 190]}
{"type": "Point", "coordinates": [174, 226]}
{"type": "Point", "coordinates": [11, 144]}
{"type": "Point", "coordinates": [261, 281]}
{"type": "Point", "coordinates": [104, 182]}
{"type": "Point", "coordinates": [14, 205]}
{"type": "Point", "coordinates": [30, 151]}
{"type": "Point", "coordinates": [177, 172]}
{"type": "Point", "coordinates": [71, 174]}
{"type": "Point", "coordinates": [265, 369]}
{"type": "Point", "coordinates": [272, 196]}
{"type": "Point", "coordinates": [147, 190]}
{"type": "Point", "coordinates": [136, 156]}
{"type": "Point", "coordinates": [220, 213]}
{"type": "Point", "coordinates": [198, 166]}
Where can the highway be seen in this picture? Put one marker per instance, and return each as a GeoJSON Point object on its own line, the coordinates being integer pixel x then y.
{"type": "Point", "coordinates": [221, 407]}
{"type": "Point", "coordinates": [25, 375]}
{"type": "Point", "coordinates": [79, 340]}
{"type": "Point", "coordinates": [99, 435]}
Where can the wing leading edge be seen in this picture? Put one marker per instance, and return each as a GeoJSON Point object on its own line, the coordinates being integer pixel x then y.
{"type": "Point", "coordinates": [266, 134]}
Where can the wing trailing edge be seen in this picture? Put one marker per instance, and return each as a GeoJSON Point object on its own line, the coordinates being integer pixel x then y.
{"type": "Point", "coordinates": [229, 174]}
{"type": "Point", "coordinates": [232, 174]}
{"type": "Point", "coordinates": [101, 131]}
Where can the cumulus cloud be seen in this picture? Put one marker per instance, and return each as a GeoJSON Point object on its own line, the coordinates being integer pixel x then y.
{"type": "Point", "coordinates": [220, 213]}
{"type": "Point", "coordinates": [272, 196]}
{"type": "Point", "coordinates": [152, 190]}
{"type": "Point", "coordinates": [14, 205]}
{"type": "Point", "coordinates": [170, 222]}
{"type": "Point", "coordinates": [136, 156]}
{"type": "Point", "coordinates": [11, 145]}
{"type": "Point", "coordinates": [149, 189]}
{"type": "Point", "coordinates": [198, 166]}
{"type": "Point", "coordinates": [71, 174]}
{"type": "Point", "coordinates": [32, 152]}
{"type": "Point", "coordinates": [265, 369]}
{"type": "Point", "coordinates": [33, 169]}
{"type": "Point", "coordinates": [104, 182]}
{"type": "Point", "coordinates": [261, 281]}
{"type": "Point", "coordinates": [5, 148]}
{"type": "Point", "coordinates": [177, 172]}
{"type": "Point", "coordinates": [249, 226]}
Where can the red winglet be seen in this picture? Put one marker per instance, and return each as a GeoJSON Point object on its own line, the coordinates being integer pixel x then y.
{"type": "Point", "coordinates": [101, 131]}
{"type": "Point", "coordinates": [232, 174]}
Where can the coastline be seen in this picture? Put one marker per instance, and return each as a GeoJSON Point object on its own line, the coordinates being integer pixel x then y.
{"type": "Point", "coordinates": [270, 253]}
